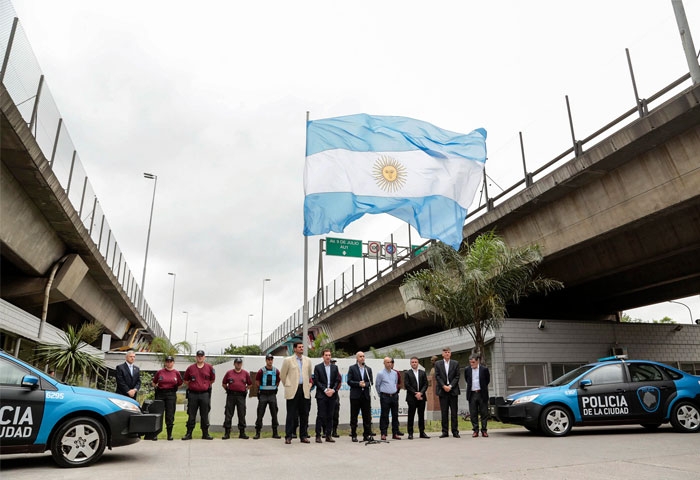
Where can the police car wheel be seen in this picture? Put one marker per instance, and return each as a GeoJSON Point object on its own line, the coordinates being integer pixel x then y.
{"type": "Point", "coordinates": [685, 417]}
{"type": "Point", "coordinates": [78, 442]}
{"type": "Point", "coordinates": [555, 421]}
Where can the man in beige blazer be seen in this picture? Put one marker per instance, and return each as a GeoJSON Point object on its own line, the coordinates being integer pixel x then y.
{"type": "Point", "coordinates": [296, 377]}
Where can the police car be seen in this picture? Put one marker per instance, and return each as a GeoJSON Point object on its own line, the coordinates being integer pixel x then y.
{"type": "Point", "coordinates": [612, 391]}
{"type": "Point", "coordinates": [39, 413]}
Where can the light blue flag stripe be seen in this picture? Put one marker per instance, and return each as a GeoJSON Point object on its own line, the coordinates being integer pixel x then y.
{"type": "Point", "coordinates": [372, 133]}
{"type": "Point", "coordinates": [433, 216]}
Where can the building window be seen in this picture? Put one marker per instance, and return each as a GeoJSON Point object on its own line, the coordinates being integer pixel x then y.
{"type": "Point", "coordinates": [559, 369]}
{"type": "Point", "coordinates": [524, 375]}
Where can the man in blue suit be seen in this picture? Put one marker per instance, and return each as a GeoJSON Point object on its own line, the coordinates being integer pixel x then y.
{"type": "Point", "coordinates": [128, 376]}
{"type": "Point", "coordinates": [326, 377]}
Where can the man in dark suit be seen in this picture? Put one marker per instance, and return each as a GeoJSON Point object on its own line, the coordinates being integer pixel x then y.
{"type": "Point", "coordinates": [416, 383]}
{"type": "Point", "coordinates": [447, 389]}
{"type": "Point", "coordinates": [478, 378]}
{"type": "Point", "coordinates": [360, 380]}
{"type": "Point", "coordinates": [326, 377]}
{"type": "Point", "coordinates": [128, 376]}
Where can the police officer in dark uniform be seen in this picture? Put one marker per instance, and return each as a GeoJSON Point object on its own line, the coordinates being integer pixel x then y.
{"type": "Point", "coordinates": [199, 377]}
{"type": "Point", "coordinates": [166, 382]}
{"type": "Point", "coordinates": [267, 381]}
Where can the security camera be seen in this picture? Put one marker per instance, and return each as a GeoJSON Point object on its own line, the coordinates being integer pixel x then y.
{"type": "Point", "coordinates": [697, 321]}
{"type": "Point", "coordinates": [541, 324]}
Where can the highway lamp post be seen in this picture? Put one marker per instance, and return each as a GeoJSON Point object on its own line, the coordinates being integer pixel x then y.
{"type": "Point", "coordinates": [172, 304]}
{"type": "Point", "coordinates": [187, 319]}
{"type": "Point", "coordinates": [247, 332]}
{"type": "Point", "coordinates": [262, 310]}
{"type": "Point", "coordinates": [686, 306]}
{"type": "Point", "coordinates": [153, 177]}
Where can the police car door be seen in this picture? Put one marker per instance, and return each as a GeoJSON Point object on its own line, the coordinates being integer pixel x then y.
{"type": "Point", "coordinates": [604, 395]}
{"type": "Point", "coordinates": [652, 390]}
{"type": "Point", "coordinates": [21, 407]}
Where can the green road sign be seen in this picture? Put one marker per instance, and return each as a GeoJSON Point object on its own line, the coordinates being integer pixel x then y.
{"type": "Point", "coordinates": [417, 249]}
{"type": "Point", "coordinates": [343, 247]}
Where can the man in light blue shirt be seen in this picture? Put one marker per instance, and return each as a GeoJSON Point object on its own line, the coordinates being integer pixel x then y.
{"type": "Point", "coordinates": [386, 385]}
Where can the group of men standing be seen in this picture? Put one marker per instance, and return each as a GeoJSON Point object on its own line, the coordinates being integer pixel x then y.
{"type": "Point", "coordinates": [299, 379]}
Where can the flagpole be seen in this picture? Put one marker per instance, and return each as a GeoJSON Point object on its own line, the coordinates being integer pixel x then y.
{"type": "Point", "coordinates": [305, 305]}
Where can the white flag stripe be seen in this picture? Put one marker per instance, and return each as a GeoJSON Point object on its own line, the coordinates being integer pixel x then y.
{"type": "Point", "coordinates": [424, 175]}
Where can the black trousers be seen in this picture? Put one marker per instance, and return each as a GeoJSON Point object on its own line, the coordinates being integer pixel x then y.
{"type": "Point", "coordinates": [413, 407]}
{"type": "Point", "coordinates": [235, 401]}
{"type": "Point", "coordinates": [266, 400]}
{"type": "Point", "coordinates": [448, 408]}
{"type": "Point", "coordinates": [389, 403]}
{"type": "Point", "coordinates": [478, 407]}
{"type": "Point", "coordinates": [198, 401]}
{"type": "Point", "coordinates": [363, 405]}
{"type": "Point", "coordinates": [325, 407]}
{"type": "Point", "coordinates": [336, 412]}
{"type": "Point", "coordinates": [169, 398]}
{"type": "Point", "coordinates": [297, 409]}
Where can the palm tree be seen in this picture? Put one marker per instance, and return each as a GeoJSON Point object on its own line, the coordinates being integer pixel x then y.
{"type": "Point", "coordinates": [163, 348]}
{"type": "Point", "coordinates": [470, 289]}
{"type": "Point", "coordinates": [70, 357]}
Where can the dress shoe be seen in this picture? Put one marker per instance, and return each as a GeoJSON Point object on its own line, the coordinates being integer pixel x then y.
{"type": "Point", "coordinates": [396, 437]}
{"type": "Point", "coordinates": [354, 438]}
{"type": "Point", "coordinates": [305, 440]}
{"type": "Point", "coordinates": [475, 434]}
{"type": "Point", "coordinates": [424, 435]}
{"type": "Point", "coordinates": [287, 441]}
{"type": "Point", "coordinates": [383, 438]}
{"type": "Point", "coordinates": [484, 434]}
{"type": "Point", "coordinates": [330, 439]}
{"type": "Point", "coordinates": [456, 435]}
{"type": "Point", "coordinates": [318, 440]}
{"type": "Point", "coordinates": [410, 436]}
{"type": "Point", "coordinates": [444, 435]}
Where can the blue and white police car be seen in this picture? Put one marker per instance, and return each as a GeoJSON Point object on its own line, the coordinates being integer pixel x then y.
{"type": "Point", "coordinates": [612, 391]}
{"type": "Point", "coordinates": [39, 413]}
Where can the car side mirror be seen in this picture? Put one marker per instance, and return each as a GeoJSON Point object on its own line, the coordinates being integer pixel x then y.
{"type": "Point", "coordinates": [30, 381]}
{"type": "Point", "coordinates": [585, 383]}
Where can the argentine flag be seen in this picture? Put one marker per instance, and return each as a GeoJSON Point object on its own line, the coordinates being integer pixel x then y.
{"type": "Point", "coordinates": [415, 171]}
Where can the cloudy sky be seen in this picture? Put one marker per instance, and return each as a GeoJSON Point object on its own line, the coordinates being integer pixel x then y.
{"type": "Point", "coordinates": [212, 97]}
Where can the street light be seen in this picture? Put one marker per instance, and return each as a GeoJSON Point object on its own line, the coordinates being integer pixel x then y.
{"type": "Point", "coordinates": [187, 319]}
{"type": "Point", "coordinates": [196, 340]}
{"type": "Point", "coordinates": [262, 310]}
{"type": "Point", "coordinates": [150, 176]}
{"type": "Point", "coordinates": [172, 304]}
{"type": "Point", "coordinates": [247, 333]}
{"type": "Point", "coordinates": [686, 306]}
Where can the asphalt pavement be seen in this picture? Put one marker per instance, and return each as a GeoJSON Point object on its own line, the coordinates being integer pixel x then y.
{"type": "Point", "coordinates": [512, 453]}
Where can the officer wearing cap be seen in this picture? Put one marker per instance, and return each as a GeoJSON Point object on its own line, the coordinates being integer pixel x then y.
{"type": "Point", "coordinates": [166, 382]}
{"type": "Point", "coordinates": [199, 377]}
{"type": "Point", "coordinates": [236, 383]}
{"type": "Point", "coordinates": [267, 380]}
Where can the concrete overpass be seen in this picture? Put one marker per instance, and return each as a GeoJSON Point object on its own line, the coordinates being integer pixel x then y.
{"type": "Point", "coordinates": [619, 225]}
{"type": "Point", "coordinates": [47, 253]}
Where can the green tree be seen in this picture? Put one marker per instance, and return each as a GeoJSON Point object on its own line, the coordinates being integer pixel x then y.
{"type": "Point", "coordinates": [393, 353]}
{"type": "Point", "coordinates": [470, 289]}
{"type": "Point", "coordinates": [163, 347]}
{"type": "Point", "coordinates": [70, 357]}
{"type": "Point", "coordinates": [242, 350]}
{"type": "Point", "coordinates": [321, 343]}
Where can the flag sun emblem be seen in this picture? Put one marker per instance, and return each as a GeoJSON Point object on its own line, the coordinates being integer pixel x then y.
{"type": "Point", "coordinates": [389, 174]}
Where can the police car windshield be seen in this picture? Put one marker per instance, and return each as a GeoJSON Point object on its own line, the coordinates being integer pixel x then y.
{"type": "Point", "coordinates": [569, 377]}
